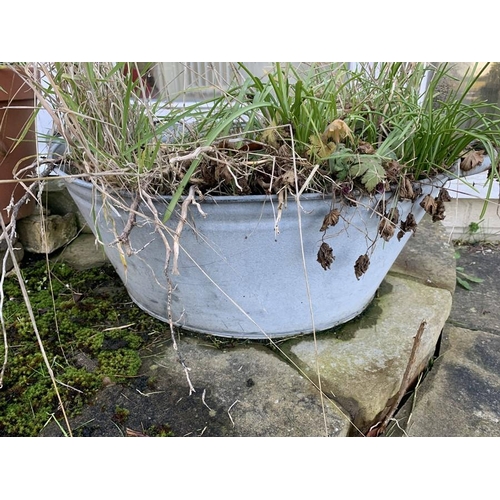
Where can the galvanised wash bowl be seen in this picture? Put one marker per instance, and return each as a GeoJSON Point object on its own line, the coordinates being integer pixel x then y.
{"type": "Point", "coordinates": [243, 273]}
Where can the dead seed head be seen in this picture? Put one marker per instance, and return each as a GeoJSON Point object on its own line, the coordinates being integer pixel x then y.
{"type": "Point", "coordinates": [361, 265]}
{"type": "Point", "coordinates": [325, 256]}
{"type": "Point", "coordinates": [331, 219]}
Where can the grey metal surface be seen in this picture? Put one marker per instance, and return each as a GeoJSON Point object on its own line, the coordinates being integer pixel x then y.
{"type": "Point", "coordinates": [239, 276]}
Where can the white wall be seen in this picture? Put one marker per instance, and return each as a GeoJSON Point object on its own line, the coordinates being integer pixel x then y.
{"type": "Point", "coordinates": [469, 197]}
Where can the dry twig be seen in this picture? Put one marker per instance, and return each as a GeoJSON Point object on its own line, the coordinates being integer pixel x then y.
{"type": "Point", "coordinates": [380, 427]}
{"type": "Point", "coordinates": [191, 156]}
{"type": "Point", "coordinates": [180, 226]}
{"type": "Point", "coordinates": [229, 409]}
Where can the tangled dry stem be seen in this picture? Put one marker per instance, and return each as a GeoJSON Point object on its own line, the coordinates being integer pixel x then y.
{"type": "Point", "coordinates": [190, 199]}
{"type": "Point", "coordinates": [8, 233]}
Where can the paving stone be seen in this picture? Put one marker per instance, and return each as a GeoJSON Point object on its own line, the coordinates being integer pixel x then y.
{"type": "Point", "coordinates": [56, 198]}
{"type": "Point", "coordinates": [478, 308]}
{"type": "Point", "coordinates": [46, 234]}
{"type": "Point", "coordinates": [244, 391]}
{"type": "Point", "coordinates": [461, 394]}
{"type": "Point", "coordinates": [362, 362]}
{"type": "Point", "coordinates": [84, 252]}
{"type": "Point", "coordinates": [428, 256]}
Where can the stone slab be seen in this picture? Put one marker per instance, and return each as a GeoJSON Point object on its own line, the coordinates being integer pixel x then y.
{"type": "Point", "coordinates": [428, 256]}
{"type": "Point", "coordinates": [478, 308]}
{"type": "Point", "coordinates": [461, 395]}
{"type": "Point", "coordinates": [46, 234]}
{"type": "Point", "coordinates": [57, 199]}
{"type": "Point", "coordinates": [362, 362]}
{"type": "Point", "coordinates": [244, 391]}
{"type": "Point", "coordinates": [84, 252]}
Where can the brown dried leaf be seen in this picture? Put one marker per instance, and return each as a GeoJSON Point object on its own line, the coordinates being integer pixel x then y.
{"type": "Point", "coordinates": [410, 224]}
{"type": "Point", "coordinates": [222, 173]}
{"type": "Point", "coordinates": [365, 148]}
{"type": "Point", "coordinates": [320, 148]}
{"type": "Point", "coordinates": [471, 160]}
{"type": "Point", "coordinates": [208, 173]}
{"type": "Point", "coordinates": [417, 191]}
{"type": "Point", "coordinates": [406, 190]}
{"type": "Point", "coordinates": [393, 215]}
{"type": "Point", "coordinates": [133, 433]}
{"type": "Point", "coordinates": [439, 212]}
{"type": "Point", "coordinates": [337, 131]}
{"type": "Point", "coordinates": [434, 207]}
{"type": "Point", "coordinates": [330, 219]}
{"type": "Point", "coordinates": [250, 146]}
{"type": "Point", "coordinates": [285, 151]}
{"type": "Point", "coordinates": [386, 228]}
{"type": "Point", "coordinates": [325, 255]}
{"type": "Point", "coordinates": [392, 169]}
{"type": "Point", "coordinates": [444, 195]}
{"type": "Point", "coordinates": [429, 204]}
{"type": "Point", "coordinates": [271, 136]}
{"type": "Point", "coordinates": [288, 178]}
{"type": "Point", "coordinates": [361, 265]}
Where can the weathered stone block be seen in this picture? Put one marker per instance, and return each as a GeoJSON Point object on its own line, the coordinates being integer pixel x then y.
{"type": "Point", "coordinates": [83, 253]}
{"type": "Point", "coordinates": [362, 362]}
{"type": "Point", "coordinates": [461, 395]}
{"type": "Point", "coordinates": [57, 199]}
{"type": "Point", "coordinates": [428, 257]}
{"type": "Point", "coordinates": [249, 392]}
{"type": "Point", "coordinates": [46, 234]}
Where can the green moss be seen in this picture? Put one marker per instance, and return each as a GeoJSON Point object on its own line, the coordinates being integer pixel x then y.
{"type": "Point", "coordinates": [89, 329]}
{"type": "Point", "coordinates": [121, 415]}
{"type": "Point", "coordinates": [89, 339]}
{"type": "Point", "coordinates": [119, 364]}
{"type": "Point", "coordinates": [159, 431]}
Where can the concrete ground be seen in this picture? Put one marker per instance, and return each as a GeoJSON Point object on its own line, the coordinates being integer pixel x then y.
{"type": "Point", "coordinates": [460, 396]}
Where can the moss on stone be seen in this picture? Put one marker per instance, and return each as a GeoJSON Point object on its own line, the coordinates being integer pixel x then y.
{"type": "Point", "coordinates": [90, 331]}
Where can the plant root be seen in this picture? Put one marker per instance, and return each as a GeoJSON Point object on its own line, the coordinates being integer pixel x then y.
{"type": "Point", "coordinates": [180, 226]}
{"type": "Point", "coordinates": [172, 335]}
